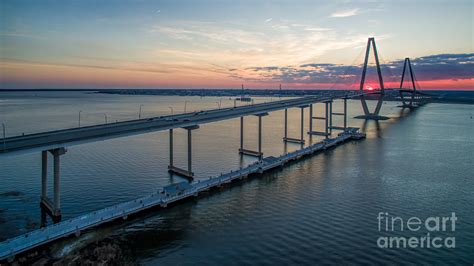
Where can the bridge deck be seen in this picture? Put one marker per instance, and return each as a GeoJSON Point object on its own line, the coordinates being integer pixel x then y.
{"type": "Point", "coordinates": [73, 226]}
{"type": "Point", "coordinates": [68, 137]}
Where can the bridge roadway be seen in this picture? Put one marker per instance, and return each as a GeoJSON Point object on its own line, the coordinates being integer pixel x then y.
{"type": "Point", "coordinates": [74, 226]}
{"type": "Point", "coordinates": [74, 136]}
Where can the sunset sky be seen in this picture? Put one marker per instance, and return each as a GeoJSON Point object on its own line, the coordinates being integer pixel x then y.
{"type": "Point", "coordinates": [222, 44]}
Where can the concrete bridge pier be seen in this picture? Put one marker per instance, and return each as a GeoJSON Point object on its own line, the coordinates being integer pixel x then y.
{"type": "Point", "coordinates": [190, 147]}
{"type": "Point", "coordinates": [326, 118]}
{"type": "Point", "coordinates": [344, 114]}
{"type": "Point", "coordinates": [44, 174]}
{"type": "Point", "coordinates": [241, 133]}
{"type": "Point", "coordinates": [260, 135]}
{"type": "Point", "coordinates": [171, 147]}
{"type": "Point", "coordinates": [310, 123]}
{"type": "Point", "coordinates": [330, 118]}
{"type": "Point", "coordinates": [242, 150]}
{"type": "Point", "coordinates": [295, 140]}
{"type": "Point", "coordinates": [176, 170]}
{"type": "Point", "coordinates": [302, 125]}
{"type": "Point", "coordinates": [52, 207]}
{"type": "Point", "coordinates": [375, 115]}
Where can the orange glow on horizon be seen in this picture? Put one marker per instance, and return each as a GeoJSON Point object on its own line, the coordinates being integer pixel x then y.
{"type": "Point", "coordinates": [33, 75]}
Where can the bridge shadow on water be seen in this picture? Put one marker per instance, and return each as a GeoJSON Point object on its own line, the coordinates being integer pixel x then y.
{"type": "Point", "coordinates": [375, 127]}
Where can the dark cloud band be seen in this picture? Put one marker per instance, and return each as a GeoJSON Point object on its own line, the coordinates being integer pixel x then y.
{"type": "Point", "coordinates": [427, 68]}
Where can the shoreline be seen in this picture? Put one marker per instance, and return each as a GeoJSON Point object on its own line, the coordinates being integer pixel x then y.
{"type": "Point", "coordinates": [437, 96]}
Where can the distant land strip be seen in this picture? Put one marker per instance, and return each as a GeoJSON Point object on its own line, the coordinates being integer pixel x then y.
{"type": "Point", "coordinates": [438, 96]}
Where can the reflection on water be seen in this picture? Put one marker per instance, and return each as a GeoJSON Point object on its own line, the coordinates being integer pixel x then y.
{"type": "Point", "coordinates": [320, 210]}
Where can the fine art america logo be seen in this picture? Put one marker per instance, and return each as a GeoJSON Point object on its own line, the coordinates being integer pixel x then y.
{"type": "Point", "coordinates": [439, 231]}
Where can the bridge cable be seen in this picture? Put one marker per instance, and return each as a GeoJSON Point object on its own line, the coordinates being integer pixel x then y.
{"type": "Point", "coordinates": [386, 66]}
{"type": "Point", "coordinates": [346, 69]}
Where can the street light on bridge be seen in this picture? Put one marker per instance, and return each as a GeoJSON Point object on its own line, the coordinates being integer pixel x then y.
{"type": "Point", "coordinates": [79, 122]}
{"type": "Point", "coordinates": [140, 112]}
{"type": "Point", "coordinates": [4, 136]}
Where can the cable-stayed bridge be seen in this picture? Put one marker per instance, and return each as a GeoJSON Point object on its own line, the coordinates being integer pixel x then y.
{"type": "Point", "coordinates": [55, 144]}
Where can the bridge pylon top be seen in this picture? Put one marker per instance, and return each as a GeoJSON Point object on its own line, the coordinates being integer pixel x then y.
{"type": "Point", "coordinates": [367, 114]}
{"type": "Point", "coordinates": [405, 64]}
{"type": "Point", "coordinates": [371, 43]}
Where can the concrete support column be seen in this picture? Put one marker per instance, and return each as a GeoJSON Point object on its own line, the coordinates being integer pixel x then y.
{"type": "Point", "coordinates": [260, 134]}
{"type": "Point", "coordinates": [241, 133]}
{"type": "Point", "coordinates": [330, 117]}
{"type": "Point", "coordinates": [181, 171]}
{"type": "Point", "coordinates": [44, 174]}
{"type": "Point", "coordinates": [310, 117]}
{"type": "Point", "coordinates": [56, 180]}
{"type": "Point", "coordinates": [57, 203]}
{"type": "Point", "coordinates": [189, 151]}
{"type": "Point", "coordinates": [257, 153]}
{"type": "Point", "coordinates": [379, 105]}
{"type": "Point", "coordinates": [286, 123]}
{"type": "Point", "coordinates": [326, 130]}
{"type": "Point", "coordinates": [171, 147]}
{"type": "Point", "coordinates": [364, 105]}
{"type": "Point", "coordinates": [302, 125]}
{"type": "Point", "coordinates": [345, 113]}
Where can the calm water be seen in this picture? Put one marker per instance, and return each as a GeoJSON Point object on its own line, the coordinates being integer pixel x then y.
{"type": "Point", "coordinates": [320, 210]}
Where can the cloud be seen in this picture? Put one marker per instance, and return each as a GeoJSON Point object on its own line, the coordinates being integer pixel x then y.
{"type": "Point", "coordinates": [441, 66]}
{"type": "Point", "coordinates": [126, 66]}
{"type": "Point", "coordinates": [22, 35]}
{"type": "Point", "coordinates": [214, 33]}
{"type": "Point", "coordinates": [426, 68]}
{"type": "Point", "coordinates": [345, 13]}
{"type": "Point", "coordinates": [237, 45]}
{"type": "Point", "coordinates": [268, 20]}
